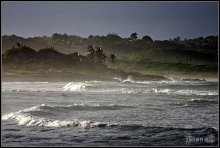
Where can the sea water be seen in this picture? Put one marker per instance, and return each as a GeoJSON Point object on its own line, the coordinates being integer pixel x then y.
{"type": "Point", "coordinates": [98, 113]}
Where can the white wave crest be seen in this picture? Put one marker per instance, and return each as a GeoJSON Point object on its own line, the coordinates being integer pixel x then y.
{"type": "Point", "coordinates": [196, 92]}
{"type": "Point", "coordinates": [24, 118]}
{"type": "Point", "coordinates": [129, 79]}
{"type": "Point", "coordinates": [183, 92]}
{"type": "Point", "coordinates": [31, 116]}
{"type": "Point", "coordinates": [195, 100]}
{"type": "Point", "coordinates": [132, 91]}
{"type": "Point", "coordinates": [73, 86]}
{"type": "Point", "coordinates": [86, 106]}
{"type": "Point", "coordinates": [167, 91]}
{"type": "Point", "coordinates": [118, 78]}
{"type": "Point", "coordinates": [169, 82]}
{"type": "Point", "coordinates": [202, 100]}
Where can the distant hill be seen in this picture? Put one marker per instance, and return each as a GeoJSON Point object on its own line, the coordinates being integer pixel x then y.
{"type": "Point", "coordinates": [23, 63]}
{"type": "Point", "coordinates": [195, 51]}
{"type": "Point", "coordinates": [71, 43]}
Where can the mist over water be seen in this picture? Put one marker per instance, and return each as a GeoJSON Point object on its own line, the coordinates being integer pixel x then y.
{"type": "Point", "coordinates": [99, 113]}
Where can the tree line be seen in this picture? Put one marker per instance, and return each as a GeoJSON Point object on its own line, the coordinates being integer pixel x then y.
{"type": "Point", "coordinates": [21, 54]}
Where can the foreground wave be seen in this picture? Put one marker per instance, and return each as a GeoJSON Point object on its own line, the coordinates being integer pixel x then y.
{"type": "Point", "coordinates": [125, 113]}
{"type": "Point", "coordinates": [39, 116]}
{"type": "Point", "coordinates": [26, 119]}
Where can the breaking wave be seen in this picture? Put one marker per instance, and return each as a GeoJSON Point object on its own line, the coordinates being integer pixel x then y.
{"type": "Point", "coordinates": [83, 87]}
{"type": "Point", "coordinates": [168, 91]}
{"type": "Point", "coordinates": [82, 107]}
{"type": "Point", "coordinates": [132, 91]}
{"type": "Point", "coordinates": [133, 87]}
{"type": "Point", "coordinates": [129, 79]}
{"type": "Point", "coordinates": [28, 120]}
{"type": "Point", "coordinates": [22, 117]}
{"type": "Point", "coordinates": [183, 92]}
{"type": "Point", "coordinates": [38, 115]}
{"type": "Point", "coordinates": [73, 86]}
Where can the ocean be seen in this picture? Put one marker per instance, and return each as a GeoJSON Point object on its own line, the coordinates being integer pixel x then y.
{"type": "Point", "coordinates": [117, 113]}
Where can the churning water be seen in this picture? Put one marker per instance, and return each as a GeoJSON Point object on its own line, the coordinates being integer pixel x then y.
{"type": "Point", "coordinates": [98, 113]}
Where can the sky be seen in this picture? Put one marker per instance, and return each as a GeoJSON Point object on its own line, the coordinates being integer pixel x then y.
{"type": "Point", "coordinates": [159, 20]}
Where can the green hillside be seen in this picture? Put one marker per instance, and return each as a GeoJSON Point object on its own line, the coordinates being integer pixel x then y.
{"type": "Point", "coordinates": [145, 55]}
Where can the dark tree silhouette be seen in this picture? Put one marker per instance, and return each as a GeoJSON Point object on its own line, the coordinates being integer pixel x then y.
{"type": "Point", "coordinates": [112, 58]}
{"type": "Point", "coordinates": [133, 36]}
{"type": "Point", "coordinates": [18, 44]}
{"type": "Point", "coordinates": [100, 55]}
{"type": "Point", "coordinates": [177, 39]}
{"type": "Point", "coordinates": [91, 54]}
{"type": "Point", "coordinates": [96, 55]}
{"type": "Point", "coordinates": [147, 39]}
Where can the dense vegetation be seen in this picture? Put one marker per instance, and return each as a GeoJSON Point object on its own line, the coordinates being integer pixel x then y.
{"type": "Point", "coordinates": [47, 63]}
{"type": "Point", "coordinates": [112, 43]}
{"type": "Point", "coordinates": [24, 57]}
{"type": "Point", "coordinates": [145, 55]}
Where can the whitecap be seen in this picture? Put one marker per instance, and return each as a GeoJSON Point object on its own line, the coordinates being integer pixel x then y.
{"type": "Point", "coordinates": [129, 79]}
{"type": "Point", "coordinates": [167, 91]}
{"type": "Point", "coordinates": [132, 91]}
{"type": "Point", "coordinates": [74, 86]}
{"type": "Point", "coordinates": [182, 92]}
{"type": "Point", "coordinates": [196, 92]}
{"type": "Point", "coordinates": [118, 78]}
{"type": "Point", "coordinates": [26, 119]}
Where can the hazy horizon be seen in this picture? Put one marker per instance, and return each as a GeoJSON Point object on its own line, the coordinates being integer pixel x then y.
{"type": "Point", "coordinates": [160, 20]}
{"type": "Point", "coordinates": [26, 37]}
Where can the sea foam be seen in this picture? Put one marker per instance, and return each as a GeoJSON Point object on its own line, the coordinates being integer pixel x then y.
{"type": "Point", "coordinates": [183, 92]}
{"type": "Point", "coordinates": [38, 115]}
{"type": "Point", "coordinates": [74, 86]}
{"type": "Point", "coordinates": [25, 117]}
{"type": "Point", "coordinates": [28, 120]}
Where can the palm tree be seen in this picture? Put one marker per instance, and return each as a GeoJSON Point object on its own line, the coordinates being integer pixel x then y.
{"type": "Point", "coordinates": [133, 36]}
{"type": "Point", "coordinates": [100, 55]}
{"type": "Point", "coordinates": [91, 51]}
{"type": "Point", "coordinates": [112, 58]}
{"type": "Point", "coordinates": [96, 55]}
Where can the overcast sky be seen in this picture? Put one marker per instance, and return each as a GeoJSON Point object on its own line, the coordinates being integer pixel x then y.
{"type": "Point", "coordinates": [160, 20]}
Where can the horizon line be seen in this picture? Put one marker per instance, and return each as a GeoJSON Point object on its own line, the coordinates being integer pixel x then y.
{"type": "Point", "coordinates": [87, 36]}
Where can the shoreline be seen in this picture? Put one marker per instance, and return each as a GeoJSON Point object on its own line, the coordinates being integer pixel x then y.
{"type": "Point", "coordinates": [60, 77]}
{"type": "Point", "coordinates": [49, 78]}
